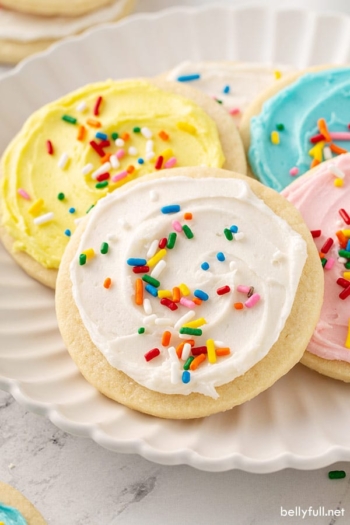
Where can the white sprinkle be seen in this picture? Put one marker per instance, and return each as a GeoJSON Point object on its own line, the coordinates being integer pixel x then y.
{"type": "Point", "coordinates": [233, 265]}
{"type": "Point", "coordinates": [238, 236]}
{"type": "Point", "coordinates": [152, 249]}
{"type": "Point", "coordinates": [219, 344]}
{"type": "Point", "coordinates": [76, 221]}
{"type": "Point", "coordinates": [147, 133]}
{"type": "Point", "coordinates": [153, 196]}
{"type": "Point", "coordinates": [186, 351]}
{"type": "Point", "coordinates": [132, 150]}
{"type": "Point", "coordinates": [327, 153]}
{"type": "Point", "coordinates": [114, 161]}
{"type": "Point", "coordinates": [81, 107]}
{"type": "Point", "coordinates": [119, 143]}
{"type": "Point", "coordinates": [11, 466]}
{"type": "Point", "coordinates": [62, 163]}
{"type": "Point", "coordinates": [112, 237]}
{"type": "Point", "coordinates": [87, 168]}
{"type": "Point", "coordinates": [175, 373]}
{"type": "Point", "coordinates": [163, 321]}
{"type": "Point", "coordinates": [184, 336]}
{"type": "Point", "coordinates": [44, 218]}
{"type": "Point", "coordinates": [149, 145]}
{"type": "Point", "coordinates": [150, 155]}
{"type": "Point", "coordinates": [157, 270]}
{"type": "Point", "coordinates": [277, 256]}
{"type": "Point", "coordinates": [149, 319]}
{"type": "Point", "coordinates": [342, 260]}
{"type": "Point", "coordinates": [336, 171]}
{"type": "Point", "coordinates": [339, 222]}
{"type": "Point", "coordinates": [102, 169]}
{"type": "Point", "coordinates": [184, 319]}
{"type": "Point", "coordinates": [147, 306]}
{"type": "Point", "coordinates": [123, 223]}
{"type": "Point", "coordinates": [173, 354]}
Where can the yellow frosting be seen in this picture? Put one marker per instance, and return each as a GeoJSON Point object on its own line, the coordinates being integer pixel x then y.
{"type": "Point", "coordinates": [27, 165]}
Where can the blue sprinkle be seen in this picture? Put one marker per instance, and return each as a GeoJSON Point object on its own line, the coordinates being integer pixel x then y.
{"type": "Point", "coordinates": [348, 246]}
{"type": "Point", "coordinates": [71, 210]}
{"type": "Point", "coordinates": [186, 376]}
{"type": "Point", "coordinates": [201, 295]}
{"type": "Point", "coordinates": [234, 228]}
{"type": "Point", "coordinates": [133, 261]}
{"type": "Point", "coordinates": [188, 78]}
{"type": "Point", "coordinates": [68, 233]}
{"type": "Point", "coordinates": [205, 266]}
{"type": "Point", "coordinates": [152, 290]}
{"type": "Point", "coordinates": [172, 208]}
{"type": "Point", "coordinates": [226, 90]}
{"type": "Point", "coordinates": [140, 161]}
{"type": "Point", "coordinates": [102, 136]}
{"type": "Point", "coordinates": [220, 256]}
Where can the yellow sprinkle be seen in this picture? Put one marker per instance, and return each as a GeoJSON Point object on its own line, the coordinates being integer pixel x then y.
{"type": "Point", "coordinates": [156, 258]}
{"type": "Point", "coordinates": [277, 74]}
{"type": "Point", "coordinates": [347, 342]}
{"type": "Point", "coordinates": [275, 137]}
{"type": "Point", "coordinates": [196, 323]}
{"type": "Point", "coordinates": [211, 351]}
{"type": "Point", "coordinates": [36, 207]}
{"type": "Point", "coordinates": [346, 275]}
{"type": "Point", "coordinates": [185, 126]}
{"type": "Point", "coordinates": [346, 233]}
{"type": "Point", "coordinates": [184, 289]}
{"type": "Point", "coordinates": [167, 154]}
{"type": "Point", "coordinates": [165, 293]}
{"type": "Point", "coordinates": [338, 183]}
{"type": "Point", "coordinates": [90, 253]}
{"type": "Point", "coordinates": [317, 151]}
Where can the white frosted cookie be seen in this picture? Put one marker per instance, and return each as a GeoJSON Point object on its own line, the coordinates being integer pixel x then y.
{"type": "Point", "coordinates": [233, 84]}
{"type": "Point", "coordinates": [22, 34]}
{"type": "Point", "coordinates": [55, 7]}
{"type": "Point", "coordinates": [91, 142]}
{"type": "Point", "coordinates": [16, 509]}
{"type": "Point", "coordinates": [186, 295]}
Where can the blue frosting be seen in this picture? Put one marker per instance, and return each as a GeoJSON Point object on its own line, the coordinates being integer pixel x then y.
{"type": "Point", "coordinates": [11, 516]}
{"type": "Point", "coordinates": [325, 94]}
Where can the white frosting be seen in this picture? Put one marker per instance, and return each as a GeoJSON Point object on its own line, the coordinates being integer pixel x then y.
{"type": "Point", "coordinates": [245, 81]}
{"type": "Point", "coordinates": [112, 317]}
{"type": "Point", "coordinates": [28, 28]}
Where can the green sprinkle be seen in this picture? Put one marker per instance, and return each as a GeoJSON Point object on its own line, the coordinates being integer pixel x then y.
{"type": "Point", "coordinates": [336, 474]}
{"type": "Point", "coordinates": [101, 185]}
{"type": "Point", "coordinates": [92, 205]}
{"type": "Point", "coordinates": [69, 119]}
{"type": "Point", "coordinates": [347, 265]}
{"type": "Point", "coordinates": [188, 362]}
{"type": "Point", "coordinates": [219, 101]}
{"type": "Point", "coordinates": [151, 280]}
{"type": "Point", "coordinates": [114, 135]}
{"type": "Point", "coordinates": [190, 331]}
{"type": "Point", "coordinates": [187, 231]}
{"type": "Point", "coordinates": [137, 129]}
{"type": "Point", "coordinates": [141, 330]}
{"type": "Point", "coordinates": [323, 261]}
{"type": "Point", "coordinates": [60, 196]}
{"type": "Point", "coordinates": [171, 240]}
{"type": "Point", "coordinates": [280, 127]}
{"type": "Point", "coordinates": [228, 234]}
{"type": "Point", "coordinates": [104, 248]}
{"type": "Point", "coordinates": [82, 259]}
{"type": "Point", "coordinates": [344, 253]}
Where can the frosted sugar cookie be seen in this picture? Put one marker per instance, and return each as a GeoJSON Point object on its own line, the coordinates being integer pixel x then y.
{"type": "Point", "coordinates": [55, 7]}
{"type": "Point", "coordinates": [75, 150]}
{"type": "Point", "coordinates": [233, 84]}
{"type": "Point", "coordinates": [15, 509]}
{"type": "Point", "coordinates": [22, 34]}
{"type": "Point", "coordinates": [186, 295]}
{"type": "Point", "coordinates": [297, 124]}
{"type": "Point", "coordinates": [323, 198]}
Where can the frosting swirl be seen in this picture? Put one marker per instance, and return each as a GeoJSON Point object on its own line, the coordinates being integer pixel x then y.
{"type": "Point", "coordinates": [11, 516]}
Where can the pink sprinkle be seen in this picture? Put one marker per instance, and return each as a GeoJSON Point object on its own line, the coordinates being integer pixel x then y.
{"type": "Point", "coordinates": [235, 111]}
{"type": "Point", "coordinates": [187, 302]}
{"type": "Point", "coordinates": [170, 163]}
{"type": "Point", "coordinates": [252, 300]}
{"type": "Point", "coordinates": [329, 264]}
{"type": "Point", "coordinates": [120, 176]}
{"type": "Point", "coordinates": [120, 154]}
{"type": "Point", "coordinates": [242, 288]}
{"type": "Point", "coordinates": [340, 135]}
{"type": "Point", "coordinates": [294, 171]}
{"type": "Point", "coordinates": [23, 194]}
{"type": "Point", "coordinates": [177, 226]}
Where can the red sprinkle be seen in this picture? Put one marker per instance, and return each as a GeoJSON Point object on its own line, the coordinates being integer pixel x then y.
{"type": "Point", "coordinates": [140, 269]}
{"type": "Point", "coordinates": [49, 147]}
{"type": "Point", "coordinates": [105, 143]}
{"type": "Point", "coordinates": [98, 148]}
{"type": "Point", "coordinates": [151, 354]}
{"type": "Point", "coordinates": [344, 283]}
{"type": "Point", "coordinates": [345, 293]}
{"type": "Point", "coordinates": [327, 245]}
{"type": "Point", "coordinates": [316, 233]}
{"type": "Point", "coordinates": [103, 176]}
{"type": "Point", "coordinates": [197, 350]}
{"type": "Point", "coordinates": [168, 303]}
{"type": "Point", "coordinates": [159, 163]}
{"type": "Point", "coordinates": [344, 216]}
{"type": "Point", "coordinates": [223, 290]}
{"type": "Point", "coordinates": [97, 107]}
{"type": "Point", "coordinates": [162, 243]}
{"type": "Point", "coordinates": [317, 138]}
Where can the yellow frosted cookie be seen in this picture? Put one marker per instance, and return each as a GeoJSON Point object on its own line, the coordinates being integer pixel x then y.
{"type": "Point", "coordinates": [55, 7]}
{"type": "Point", "coordinates": [15, 508]}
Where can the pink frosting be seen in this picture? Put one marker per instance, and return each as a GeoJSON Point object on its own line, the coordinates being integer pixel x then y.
{"type": "Point", "coordinates": [319, 201]}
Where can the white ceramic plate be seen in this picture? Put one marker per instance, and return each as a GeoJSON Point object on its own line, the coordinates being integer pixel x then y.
{"type": "Point", "coordinates": [303, 421]}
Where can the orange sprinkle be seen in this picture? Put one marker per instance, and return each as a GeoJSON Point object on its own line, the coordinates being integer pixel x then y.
{"type": "Point", "coordinates": [321, 255]}
{"type": "Point", "coordinates": [222, 351]}
{"type": "Point", "coordinates": [106, 158]}
{"type": "Point", "coordinates": [93, 123]}
{"type": "Point", "coordinates": [337, 149]}
{"type": "Point", "coordinates": [176, 294]}
{"type": "Point", "coordinates": [197, 361]}
{"type": "Point", "coordinates": [342, 239]}
{"type": "Point", "coordinates": [139, 292]}
{"type": "Point", "coordinates": [187, 216]}
{"type": "Point", "coordinates": [81, 133]}
{"type": "Point", "coordinates": [125, 136]}
{"type": "Point", "coordinates": [197, 301]}
{"type": "Point", "coordinates": [130, 169]}
{"type": "Point", "coordinates": [163, 135]}
{"type": "Point", "coordinates": [238, 306]}
{"type": "Point", "coordinates": [314, 163]}
{"type": "Point", "coordinates": [179, 349]}
{"type": "Point", "coordinates": [166, 338]}
{"type": "Point", "coordinates": [107, 282]}
{"type": "Point", "coordinates": [322, 126]}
